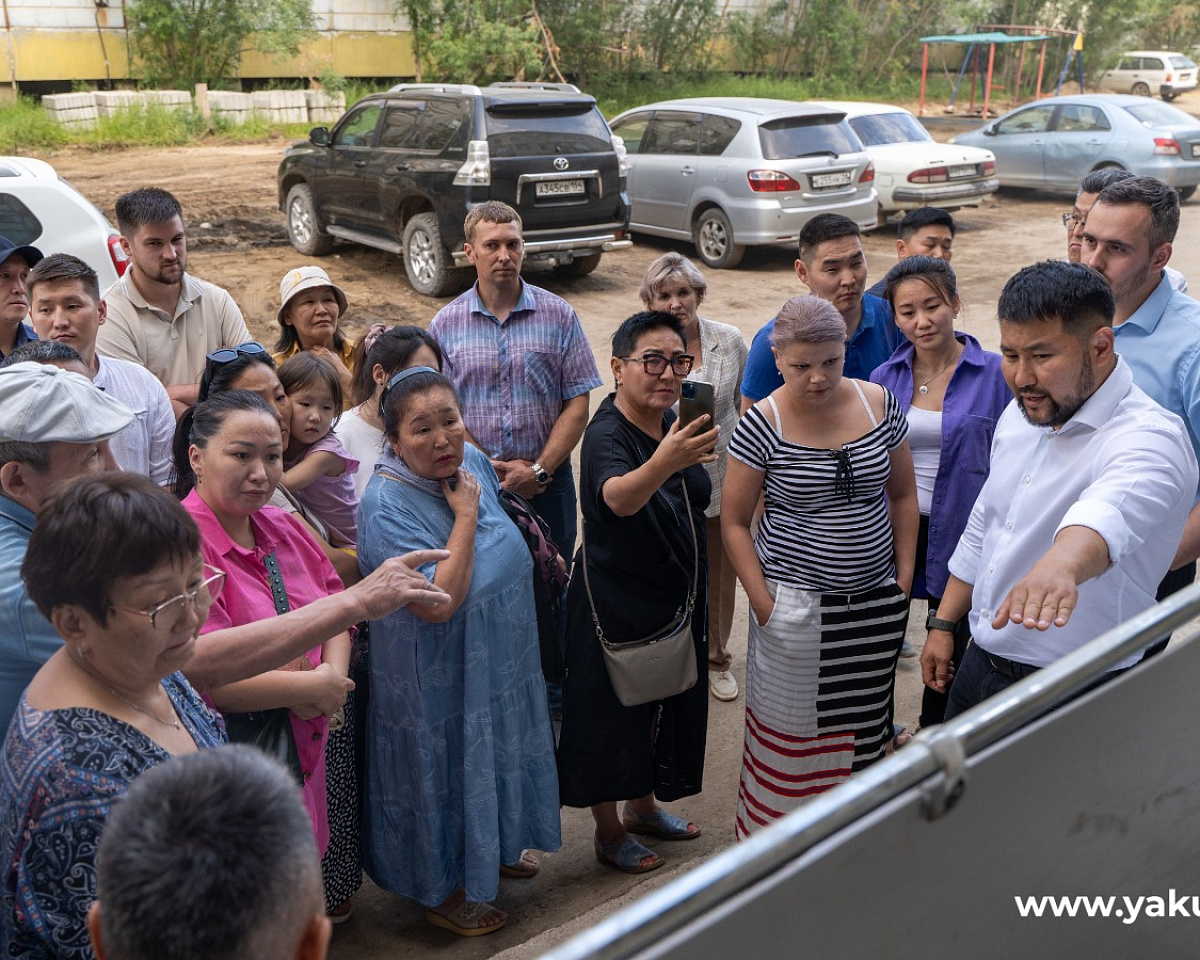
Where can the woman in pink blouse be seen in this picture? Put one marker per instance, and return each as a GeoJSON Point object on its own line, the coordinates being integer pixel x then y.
{"type": "Point", "coordinates": [235, 459]}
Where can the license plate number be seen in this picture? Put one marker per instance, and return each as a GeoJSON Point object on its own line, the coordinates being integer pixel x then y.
{"type": "Point", "coordinates": [965, 170]}
{"type": "Point", "coordinates": [558, 188]}
{"type": "Point", "coordinates": [1195, 150]}
{"type": "Point", "coordinates": [821, 180]}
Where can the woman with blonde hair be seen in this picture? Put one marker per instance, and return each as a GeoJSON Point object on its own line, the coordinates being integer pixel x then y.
{"type": "Point", "coordinates": [829, 570]}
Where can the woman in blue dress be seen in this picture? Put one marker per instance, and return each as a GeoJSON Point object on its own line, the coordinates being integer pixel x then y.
{"type": "Point", "coordinates": [460, 755]}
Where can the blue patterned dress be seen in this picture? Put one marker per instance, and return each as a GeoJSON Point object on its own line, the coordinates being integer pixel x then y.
{"type": "Point", "coordinates": [460, 754]}
{"type": "Point", "coordinates": [60, 772]}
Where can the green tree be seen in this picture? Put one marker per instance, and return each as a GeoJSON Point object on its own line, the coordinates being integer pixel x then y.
{"type": "Point", "coordinates": [185, 42]}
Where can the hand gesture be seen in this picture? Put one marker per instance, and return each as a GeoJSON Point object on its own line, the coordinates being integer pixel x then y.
{"type": "Point", "coordinates": [395, 583]}
{"type": "Point", "coordinates": [518, 477]}
{"type": "Point", "coordinates": [464, 498]}
{"type": "Point", "coordinates": [1047, 594]}
{"type": "Point", "coordinates": [937, 668]}
{"type": "Point", "coordinates": [685, 446]}
{"type": "Point", "coordinates": [329, 688]}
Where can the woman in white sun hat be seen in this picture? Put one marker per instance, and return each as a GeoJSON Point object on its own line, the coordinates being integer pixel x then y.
{"type": "Point", "coordinates": [310, 308]}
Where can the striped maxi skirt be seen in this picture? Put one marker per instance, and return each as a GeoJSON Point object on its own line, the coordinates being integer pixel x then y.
{"type": "Point", "coordinates": [819, 680]}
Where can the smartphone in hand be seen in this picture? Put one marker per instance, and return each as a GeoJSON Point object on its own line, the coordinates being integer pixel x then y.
{"type": "Point", "coordinates": [695, 400]}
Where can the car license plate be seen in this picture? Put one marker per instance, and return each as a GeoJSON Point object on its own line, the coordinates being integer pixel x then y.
{"type": "Point", "coordinates": [964, 170]}
{"type": "Point", "coordinates": [1195, 150]}
{"type": "Point", "coordinates": [558, 188]}
{"type": "Point", "coordinates": [822, 180]}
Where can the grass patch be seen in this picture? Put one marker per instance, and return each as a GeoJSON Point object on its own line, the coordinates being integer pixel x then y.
{"type": "Point", "coordinates": [24, 126]}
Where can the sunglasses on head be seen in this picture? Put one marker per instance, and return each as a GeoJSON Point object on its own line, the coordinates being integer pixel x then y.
{"type": "Point", "coordinates": [218, 358]}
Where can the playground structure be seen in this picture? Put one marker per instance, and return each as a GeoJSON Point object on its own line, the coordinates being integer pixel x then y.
{"type": "Point", "coordinates": [1003, 35]}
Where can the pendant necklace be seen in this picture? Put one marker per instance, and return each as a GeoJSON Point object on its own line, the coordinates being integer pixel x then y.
{"type": "Point", "coordinates": [924, 387]}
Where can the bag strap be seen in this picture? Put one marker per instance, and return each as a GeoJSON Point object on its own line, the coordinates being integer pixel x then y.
{"type": "Point", "coordinates": [275, 579]}
{"type": "Point", "coordinates": [587, 585]}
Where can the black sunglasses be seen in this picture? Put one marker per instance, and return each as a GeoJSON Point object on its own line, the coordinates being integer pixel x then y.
{"type": "Point", "coordinates": [218, 358]}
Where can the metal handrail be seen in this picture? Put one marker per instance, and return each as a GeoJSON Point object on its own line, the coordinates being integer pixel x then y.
{"type": "Point", "coordinates": [924, 761]}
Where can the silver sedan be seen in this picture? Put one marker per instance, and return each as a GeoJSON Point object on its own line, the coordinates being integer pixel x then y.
{"type": "Point", "coordinates": [1054, 143]}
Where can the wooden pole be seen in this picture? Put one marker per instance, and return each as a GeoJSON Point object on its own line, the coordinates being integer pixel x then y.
{"type": "Point", "coordinates": [1041, 68]}
{"type": "Point", "coordinates": [987, 85]}
{"type": "Point", "coordinates": [924, 72]}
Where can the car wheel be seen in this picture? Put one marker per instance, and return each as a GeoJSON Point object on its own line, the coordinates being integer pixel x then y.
{"type": "Point", "coordinates": [1186, 193]}
{"type": "Point", "coordinates": [304, 226]}
{"type": "Point", "coordinates": [429, 267]}
{"type": "Point", "coordinates": [1169, 97]}
{"type": "Point", "coordinates": [713, 236]}
{"type": "Point", "coordinates": [1140, 90]}
{"type": "Point", "coordinates": [579, 267]}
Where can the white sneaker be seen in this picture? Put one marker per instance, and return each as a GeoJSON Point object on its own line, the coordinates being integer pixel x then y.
{"type": "Point", "coordinates": [908, 650]}
{"type": "Point", "coordinates": [723, 685]}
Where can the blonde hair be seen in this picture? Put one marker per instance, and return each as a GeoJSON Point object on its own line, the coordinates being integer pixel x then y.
{"type": "Point", "coordinates": [808, 319]}
{"type": "Point", "coordinates": [672, 265]}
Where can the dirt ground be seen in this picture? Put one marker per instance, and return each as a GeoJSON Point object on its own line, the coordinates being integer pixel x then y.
{"type": "Point", "coordinates": [237, 239]}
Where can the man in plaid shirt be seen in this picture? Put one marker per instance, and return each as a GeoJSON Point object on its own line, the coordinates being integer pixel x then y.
{"type": "Point", "coordinates": [523, 369]}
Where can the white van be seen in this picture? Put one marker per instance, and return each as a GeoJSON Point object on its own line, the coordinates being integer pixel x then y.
{"type": "Point", "coordinates": [1147, 72]}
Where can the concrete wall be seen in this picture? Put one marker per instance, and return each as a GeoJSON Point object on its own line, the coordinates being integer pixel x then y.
{"type": "Point", "coordinates": [76, 40]}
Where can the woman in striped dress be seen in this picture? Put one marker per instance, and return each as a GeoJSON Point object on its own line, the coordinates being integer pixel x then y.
{"type": "Point", "coordinates": [828, 572]}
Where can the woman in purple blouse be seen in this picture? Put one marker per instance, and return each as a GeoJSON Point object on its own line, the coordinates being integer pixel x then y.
{"type": "Point", "coordinates": [952, 392]}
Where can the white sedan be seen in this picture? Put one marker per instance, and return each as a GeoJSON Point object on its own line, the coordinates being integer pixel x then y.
{"type": "Point", "coordinates": [911, 168]}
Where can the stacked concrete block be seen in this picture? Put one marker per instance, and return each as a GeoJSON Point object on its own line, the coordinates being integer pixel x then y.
{"type": "Point", "coordinates": [324, 107]}
{"type": "Point", "coordinates": [111, 102]}
{"type": "Point", "coordinates": [71, 109]}
{"type": "Point", "coordinates": [230, 106]}
{"type": "Point", "coordinates": [281, 106]}
{"type": "Point", "coordinates": [170, 99]}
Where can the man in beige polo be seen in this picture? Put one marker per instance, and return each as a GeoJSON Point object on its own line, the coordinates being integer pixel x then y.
{"type": "Point", "coordinates": [159, 315]}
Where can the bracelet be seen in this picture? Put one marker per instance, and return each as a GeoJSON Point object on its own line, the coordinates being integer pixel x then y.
{"type": "Point", "coordinates": [934, 622]}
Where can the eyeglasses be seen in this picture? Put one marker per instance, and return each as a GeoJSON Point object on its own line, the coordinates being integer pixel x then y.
{"type": "Point", "coordinates": [656, 363]}
{"type": "Point", "coordinates": [251, 348]}
{"type": "Point", "coordinates": [1070, 219]}
{"type": "Point", "coordinates": [166, 615]}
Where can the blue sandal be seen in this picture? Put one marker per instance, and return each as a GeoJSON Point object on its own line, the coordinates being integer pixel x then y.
{"type": "Point", "coordinates": [627, 856]}
{"type": "Point", "coordinates": [661, 824]}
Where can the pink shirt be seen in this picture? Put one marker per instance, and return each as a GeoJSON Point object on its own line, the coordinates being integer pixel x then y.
{"type": "Point", "coordinates": [246, 598]}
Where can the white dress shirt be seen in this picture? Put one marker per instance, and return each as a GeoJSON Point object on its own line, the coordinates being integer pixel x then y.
{"type": "Point", "coordinates": [145, 445]}
{"type": "Point", "coordinates": [1121, 466]}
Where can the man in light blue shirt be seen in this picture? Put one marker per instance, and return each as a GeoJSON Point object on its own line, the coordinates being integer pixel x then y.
{"type": "Point", "coordinates": [53, 426]}
{"type": "Point", "coordinates": [1127, 236]}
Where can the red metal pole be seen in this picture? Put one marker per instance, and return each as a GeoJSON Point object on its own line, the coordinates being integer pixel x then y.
{"type": "Point", "coordinates": [1041, 67]}
{"type": "Point", "coordinates": [987, 86]}
{"type": "Point", "coordinates": [924, 71]}
{"type": "Point", "coordinates": [975, 50]}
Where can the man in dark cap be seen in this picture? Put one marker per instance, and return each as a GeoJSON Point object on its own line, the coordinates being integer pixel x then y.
{"type": "Point", "coordinates": [15, 264]}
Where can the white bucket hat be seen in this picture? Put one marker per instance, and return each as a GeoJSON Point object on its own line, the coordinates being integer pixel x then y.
{"type": "Point", "coordinates": [42, 403]}
{"type": "Point", "coordinates": [305, 278]}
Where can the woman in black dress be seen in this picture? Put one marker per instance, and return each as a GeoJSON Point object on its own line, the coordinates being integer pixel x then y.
{"type": "Point", "coordinates": [641, 558]}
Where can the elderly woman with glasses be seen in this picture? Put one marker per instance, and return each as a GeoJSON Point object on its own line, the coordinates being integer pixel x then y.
{"type": "Point", "coordinates": [643, 493]}
{"type": "Point", "coordinates": [460, 753]}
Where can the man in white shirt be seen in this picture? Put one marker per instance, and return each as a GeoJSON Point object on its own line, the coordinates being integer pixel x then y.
{"type": "Point", "coordinates": [66, 306]}
{"type": "Point", "coordinates": [159, 315]}
{"type": "Point", "coordinates": [1090, 486]}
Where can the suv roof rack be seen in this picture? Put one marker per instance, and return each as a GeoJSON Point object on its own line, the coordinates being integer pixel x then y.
{"type": "Point", "coordinates": [536, 85]}
{"type": "Point", "coordinates": [467, 89]}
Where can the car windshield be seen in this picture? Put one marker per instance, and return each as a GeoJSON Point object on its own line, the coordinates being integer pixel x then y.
{"type": "Point", "coordinates": [882, 128]}
{"type": "Point", "coordinates": [1182, 63]}
{"type": "Point", "coordinates": [546, 133]}
{"type": "Point", "coordinates": [1152, 114]}
{"type": "Point", "coordinates": [791, 137]}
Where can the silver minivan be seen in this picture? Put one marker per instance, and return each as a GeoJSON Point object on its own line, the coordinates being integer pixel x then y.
{"type": "Point", "coordinates": [732, 172]}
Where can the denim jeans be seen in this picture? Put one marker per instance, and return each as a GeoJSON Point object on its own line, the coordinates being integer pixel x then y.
{"type": "Point", "coordinates": [556, 504]}
{"type": "Point", "coordinates": [975, 681]}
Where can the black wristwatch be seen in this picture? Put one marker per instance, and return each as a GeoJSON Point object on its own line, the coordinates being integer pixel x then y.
{"type": "Point", "coordinates": [934, 622]}
{"type": "Point", "coordinates": [540, 474]}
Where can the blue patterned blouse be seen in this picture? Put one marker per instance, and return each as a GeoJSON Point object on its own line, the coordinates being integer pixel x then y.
{"type": "Point", "coordinates": [60, 772]}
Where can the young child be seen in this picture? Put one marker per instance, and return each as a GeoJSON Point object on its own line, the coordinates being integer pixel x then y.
{"type": "Point", "coordinates": [317, 470]}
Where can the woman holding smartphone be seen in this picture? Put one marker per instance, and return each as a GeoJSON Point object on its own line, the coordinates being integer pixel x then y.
{"type": "Point", "coordinates": [673, 284]}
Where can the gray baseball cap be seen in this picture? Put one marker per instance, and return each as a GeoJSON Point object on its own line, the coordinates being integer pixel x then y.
{"type": "Point", "coordinates": [41, 403]}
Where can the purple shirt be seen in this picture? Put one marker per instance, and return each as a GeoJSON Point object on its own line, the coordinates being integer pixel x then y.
{"type": "Point", "coordinates": [246, 598]}
{"type": "Point", "coordinates": [332, 499]}
{"type": "Point", "coordinates": [975, 397]}
{"type": "Point", "coordinates": [513, 377]}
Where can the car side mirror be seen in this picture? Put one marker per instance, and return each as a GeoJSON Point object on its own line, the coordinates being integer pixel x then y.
{"type": "Point", "coordinates": [988, 131]}
{"type": "Point", "coordinates": [319, 136]}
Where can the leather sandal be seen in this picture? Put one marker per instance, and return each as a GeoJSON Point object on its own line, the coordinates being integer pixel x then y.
{"type": "Point", "coordinates": [627, 856]}
{"type": "Point", "coordinates": [661, 824]}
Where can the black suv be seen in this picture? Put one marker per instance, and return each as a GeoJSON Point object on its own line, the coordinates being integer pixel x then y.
{"type": "Point", "coordinates": [401, 169]}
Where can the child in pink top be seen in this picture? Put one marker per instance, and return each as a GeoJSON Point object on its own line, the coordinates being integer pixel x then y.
{"type": "Point", "coordinates": [317, 469]}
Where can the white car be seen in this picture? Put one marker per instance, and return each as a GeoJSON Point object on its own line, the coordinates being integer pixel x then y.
{"type": "Point", "coordinates": [1147, 72]}
{"type": "Point", "coordinates": [911, 168]}
{"type": "Point", "coordinates": [38, 208]}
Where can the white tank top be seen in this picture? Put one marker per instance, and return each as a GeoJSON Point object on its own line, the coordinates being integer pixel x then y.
{"type": "Point", "coordinates": [925, 440]}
